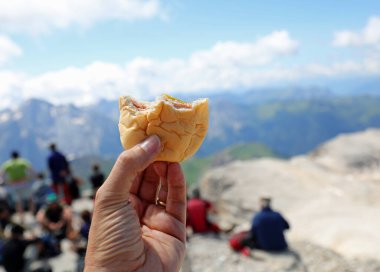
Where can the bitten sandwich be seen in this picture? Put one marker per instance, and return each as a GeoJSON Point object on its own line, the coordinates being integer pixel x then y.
{"type": "Point", "coordinates": [181, 126]}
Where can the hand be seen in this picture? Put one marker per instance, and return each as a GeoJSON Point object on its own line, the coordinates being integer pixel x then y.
{"type": "Point", "coordinates": [129, 232]}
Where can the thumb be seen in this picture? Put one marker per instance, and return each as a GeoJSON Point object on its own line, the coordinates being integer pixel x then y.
{"type": "Point", "coordinates": [130, 163]}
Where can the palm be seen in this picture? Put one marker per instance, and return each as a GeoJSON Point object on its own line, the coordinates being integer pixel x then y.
{"type": "Point", "coordinates": [159, 234]}
{"type": "Point", "coordinates": [156, 233]}
{"type": "Point", "coordinates": [162, 233]}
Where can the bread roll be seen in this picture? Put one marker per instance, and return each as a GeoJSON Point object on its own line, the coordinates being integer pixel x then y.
{"type": "Point", "coordinates": [181, 126]}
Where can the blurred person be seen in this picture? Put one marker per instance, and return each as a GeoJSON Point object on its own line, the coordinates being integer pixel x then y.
{"type": "Point", "coordinates": [40, 190]}
{"type": "Point", "coordinates": [197, 214]}
{"type": "Point", "coordinates": [60, 171]}
{"type": "Point", "coordinates": [5, 198]}
{"type": "Point", "coordinates": [74, 184]}
{"type": "Point", "coordinates": [266, 233]}
{"type": "Point", "coordinates": [14, 249]}
{"type": "Point", "coordinates": [81, 241]}
{"type": "Point", "coordinates": [81, 238]}
{"type": "Point", "coordinates": [5, 218]}
{"type": "Point", "coordinates": [86, 223]}
{"type": "Point", "coordinates": [17, 173]}
{"type": "Point", "coordinates": [131, 228]}
{"type": "Point", "coordinates": [56, 218]}
{"type": "Point", "coordinates": [96, 178]}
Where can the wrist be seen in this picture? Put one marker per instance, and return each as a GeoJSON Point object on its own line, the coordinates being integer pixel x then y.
{"type": "Point", "coordinates": [116, 266]}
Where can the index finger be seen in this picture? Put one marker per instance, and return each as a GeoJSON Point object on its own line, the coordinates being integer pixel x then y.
{"type": "Point", "coordinates": [176, 201]}
{"type": "Point", "coordinates": [129, 165]}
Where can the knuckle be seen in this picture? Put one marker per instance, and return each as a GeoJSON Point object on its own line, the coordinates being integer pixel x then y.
{"type": "Point", "coordinates": [130, 159]}
{"type": "Point", "coordinates": [125, 158]}
{"type": "Point", "coordinates": [103, 198]}
{"type": "Point", "coordinates": [100, 197]}
{"type": "Point", "coordinates": [133, 159]}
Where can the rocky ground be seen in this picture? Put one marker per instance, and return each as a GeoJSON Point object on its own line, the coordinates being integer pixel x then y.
{"type": "Point", "coordinates": [330, 196]}
{"type": "Point", "coordinates": [208, 253]}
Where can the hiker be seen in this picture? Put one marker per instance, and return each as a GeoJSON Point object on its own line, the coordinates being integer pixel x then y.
{"type": "Point", "coordinates": [74, 184]}
{"type": "Point", "coordinates": [40, 190]}
{"type": "Point", "coordinates": [56, 218]}
{"type": "Point", "coordinates": [81, 239]}
{"type": "Point", "coordinates": [60, 171]}
{"type": "Point", "coordinates": [5, 218]}
{"type": "Point", "coordinates": [86, 223]}
{"type": "Point", "coordinates": [14, 248]}
{"type": "Point", "coordinates": [17, 173]}
{"type": "Point", "coordinates": [266, 233]}
{"type": "Point", "coordinates": [96, 179]}
{"type": "Point", "coordinates": [197, 214]}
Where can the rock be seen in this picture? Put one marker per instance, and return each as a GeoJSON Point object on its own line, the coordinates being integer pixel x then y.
{"type": "Point", "coordinates": [208, 253]}
{"type": "Point", "coordinates": [328, 197]}
{"type": "Point", "coordinates": [350, 152]}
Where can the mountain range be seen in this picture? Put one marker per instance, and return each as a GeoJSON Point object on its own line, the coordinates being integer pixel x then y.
{"type": "Point", "coordinates": [287, 123]}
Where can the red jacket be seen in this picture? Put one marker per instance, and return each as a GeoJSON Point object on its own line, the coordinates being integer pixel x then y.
{"type": "Point", "coordinates": [197, 214]}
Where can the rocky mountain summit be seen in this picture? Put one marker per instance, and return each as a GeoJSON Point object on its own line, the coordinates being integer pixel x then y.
{"type": "Point", "coordinates": [331, 197]}
{"type": "Point", "coordinates": [209, 254]}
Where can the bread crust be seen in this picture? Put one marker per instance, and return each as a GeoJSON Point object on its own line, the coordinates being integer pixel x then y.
{"type": "Point", "coordinates": [181, 126]}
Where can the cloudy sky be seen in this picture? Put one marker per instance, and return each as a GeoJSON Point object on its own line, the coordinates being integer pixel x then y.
{"type": "Point", "coordinates": [80, 51]}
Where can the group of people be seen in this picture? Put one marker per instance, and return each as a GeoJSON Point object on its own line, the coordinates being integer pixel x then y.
{"type": "Point", "coordinates": [266, 232]}
{"type": "Point", "coordinates": [139, 222]}
{"type": "Point", "coordinates": [48, 201]}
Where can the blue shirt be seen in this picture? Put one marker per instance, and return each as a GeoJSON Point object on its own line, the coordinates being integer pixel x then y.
{"type": "Point", "coordinates": [57, 163]}
{"type": "Point", "coordinates": [268, 230]}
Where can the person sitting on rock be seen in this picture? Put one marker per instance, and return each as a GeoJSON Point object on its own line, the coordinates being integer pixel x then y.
{"type": "Point", "coordinates": [14, 248]}
{"type": "Point", "coordinates": [266, 233]}
{"type": "Point", "coordinates": [197, 213]}
{"type": "Point", "coordinates": [56, 218]}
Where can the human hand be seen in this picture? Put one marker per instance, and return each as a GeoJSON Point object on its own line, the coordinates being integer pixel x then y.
{"type": "Point", "coordinates": [129, 232]}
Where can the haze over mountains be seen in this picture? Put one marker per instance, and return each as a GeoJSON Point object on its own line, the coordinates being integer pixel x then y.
{"type": "Point", "coordinates": [288, 121]}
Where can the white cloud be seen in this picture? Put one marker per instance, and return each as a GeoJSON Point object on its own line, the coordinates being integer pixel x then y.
{"type": "Point", "coordinates": [75, 85]}
{"type": "Point", "coordinates": [344, 68]}
{"type": "Point", "coordinates": [36, 16]}
{"type": "Point", "coordinates": [8, 49]}
{"type": "Point", "coordinates": [226, 65]}
{"type": "Point", "coordinates": [369, 35]}
{"type": "Point", "coordinates": [10, 91]}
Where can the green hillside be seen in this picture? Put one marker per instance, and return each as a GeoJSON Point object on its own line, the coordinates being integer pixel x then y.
{"type": "Point", "coordinates": [196, 167]}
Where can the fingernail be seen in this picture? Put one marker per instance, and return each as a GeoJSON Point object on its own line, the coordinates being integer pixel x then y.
{"type": "Point", "coordinates": [151, 145]}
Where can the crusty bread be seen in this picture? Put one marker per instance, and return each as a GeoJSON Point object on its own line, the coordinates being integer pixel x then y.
{"type": "Point", "coordinates": [181, 126]}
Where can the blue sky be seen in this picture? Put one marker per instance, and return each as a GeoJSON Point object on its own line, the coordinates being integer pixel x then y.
{"type": "Point", "coordinates": [65, 51]}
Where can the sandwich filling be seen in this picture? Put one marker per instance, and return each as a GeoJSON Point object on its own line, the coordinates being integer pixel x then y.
{"type": "Point", "coordinates": [140, 106]}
